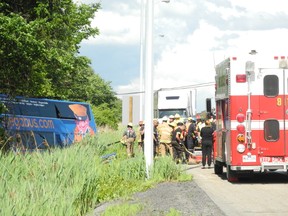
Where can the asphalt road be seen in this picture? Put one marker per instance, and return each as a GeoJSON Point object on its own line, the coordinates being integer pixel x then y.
{"type": "Point", "coordinates": [262, 194]}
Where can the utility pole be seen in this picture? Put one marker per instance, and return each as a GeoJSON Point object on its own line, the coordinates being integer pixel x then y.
{"type": "Point", "coordinates": [148, 140]}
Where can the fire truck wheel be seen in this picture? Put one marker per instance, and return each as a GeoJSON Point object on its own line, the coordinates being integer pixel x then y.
{"type": "Point", "coordinates": [218, 168]}
{"type": "Point", "coordinates": [231, 175]}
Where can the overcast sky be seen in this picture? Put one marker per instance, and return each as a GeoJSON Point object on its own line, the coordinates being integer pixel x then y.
{"type": "Point", "coordinates": [190, 37]}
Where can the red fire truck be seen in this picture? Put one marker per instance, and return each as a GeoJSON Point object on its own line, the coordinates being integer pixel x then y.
{"type": "Point", "coordinates": [251, 115]}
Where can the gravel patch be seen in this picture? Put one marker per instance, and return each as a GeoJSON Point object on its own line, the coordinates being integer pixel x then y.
{"type": "Point", "coordinates": [186, 197]}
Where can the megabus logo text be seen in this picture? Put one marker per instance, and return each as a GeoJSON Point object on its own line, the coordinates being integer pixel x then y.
{"type": "Point", "coordinates": [29, 123]}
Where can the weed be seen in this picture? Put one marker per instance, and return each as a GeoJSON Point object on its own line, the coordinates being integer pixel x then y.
{"type": "Point", "coordinates": [72, 181]}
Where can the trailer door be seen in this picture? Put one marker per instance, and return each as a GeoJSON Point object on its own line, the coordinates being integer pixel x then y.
{"type": "Point", "coordinates": [273, 112]}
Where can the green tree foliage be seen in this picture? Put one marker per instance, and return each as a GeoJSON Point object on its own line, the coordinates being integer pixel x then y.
{"type": "Point", "coordinates": [39, 46]}
{"type": "Point", "coordinates": [108, 114]}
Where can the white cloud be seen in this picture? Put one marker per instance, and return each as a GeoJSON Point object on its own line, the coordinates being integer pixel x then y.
{"type": "Point", "coordinates": [116, 28]}
{"type": "Point", "coordinates": [189, 62]}
{"type": "Point", "coordinates": [197, 35]}
{"type": "Point", "coordinates": [260, 5]}
{"type": "Point", "coordinates": [175, 7]}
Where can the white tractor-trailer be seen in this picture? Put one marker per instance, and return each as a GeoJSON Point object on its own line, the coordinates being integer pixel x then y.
{"type": "Point", "coordinates": [169, 102]}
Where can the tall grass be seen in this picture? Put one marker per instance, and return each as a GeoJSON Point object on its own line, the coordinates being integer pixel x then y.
{"type": "Point", "coordinates": [72, 181]}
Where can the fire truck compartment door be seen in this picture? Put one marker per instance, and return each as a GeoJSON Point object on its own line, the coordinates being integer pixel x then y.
{"type": "Point", "coordinates": [273, 112]}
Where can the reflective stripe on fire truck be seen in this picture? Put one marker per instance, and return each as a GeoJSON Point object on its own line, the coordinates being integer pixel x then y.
{"type": "Point", "coordinates": [257, 124]}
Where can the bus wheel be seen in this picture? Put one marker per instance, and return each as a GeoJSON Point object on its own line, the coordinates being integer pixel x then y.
{"type": "Point", "coordinates": [218, 168]}
{"type": "Point", "coordinates": [231, 175]}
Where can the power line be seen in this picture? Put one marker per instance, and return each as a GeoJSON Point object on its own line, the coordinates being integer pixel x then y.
{"type": "Point", "coordinates": [199, 85]}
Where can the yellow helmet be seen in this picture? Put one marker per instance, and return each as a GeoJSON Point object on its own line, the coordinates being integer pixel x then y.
{"type": "Point", "coordinates": [177, 115]}
{"type": "Point", "coordinates": [130, 124]}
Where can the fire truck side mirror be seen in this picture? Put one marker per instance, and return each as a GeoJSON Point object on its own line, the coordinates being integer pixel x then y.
{"type": "Point", "coordinates": [249, 67]}
{"type": "Point", "coordinates": [208, 105]}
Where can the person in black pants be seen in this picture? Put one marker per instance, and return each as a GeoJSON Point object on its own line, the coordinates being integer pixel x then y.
{"type": "Point", "coordinates": [191, 136]}
{"type": "Point", "coordinates": [207, 142]}
{"type": "Point", "coordinates": [177, 143]}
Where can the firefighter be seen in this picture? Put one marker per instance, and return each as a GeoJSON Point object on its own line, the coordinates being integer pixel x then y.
{"type": "Point", "coordinates": [177, 118]}
{"type": "Point", "coordinates": [129, 137]}
{"type": "Point", "coordinates": [140, 136]}
{"type": "Point", "coordinates": [155, 137]}
{"type": "Point", "coordinates": [199, 125]}
{"type": "Point", "coordinates": [178, 143]}
{"type": "Point", "coordinates": [207, 142]}
{"type": "Point", "coordinates": [185, 154]}
{"type": "Point", "coordinates": [190, 129]}
{"type": "Point", "coordinates": [171, 119]}
{"type": "Point", "coordinates": [187, 124]}
{"type": "Point", "coordinates": [165, 138]}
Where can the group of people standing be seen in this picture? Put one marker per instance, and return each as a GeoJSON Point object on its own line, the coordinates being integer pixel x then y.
{"type": "Point", "coordinates": [175, 138]}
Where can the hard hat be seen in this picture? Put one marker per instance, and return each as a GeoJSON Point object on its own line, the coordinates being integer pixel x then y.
{"type": "Point", "coordinates": [171, 116]}
{"type": "Point", "coordinates": [189, 118]}
{"type": "Point", "coordinates": [130, 124]}
{"type": "Point", "coordinates": [165, 118]}
{"type": "Point", "coordinates": [140, 123]}
{"type": "Point", "coordinates": [177, 115]}
{"type": "Point", "coordinates": [180, 123]}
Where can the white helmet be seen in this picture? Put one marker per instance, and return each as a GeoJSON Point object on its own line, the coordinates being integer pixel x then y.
{"type": "Point", "coordinates": [165, 118]}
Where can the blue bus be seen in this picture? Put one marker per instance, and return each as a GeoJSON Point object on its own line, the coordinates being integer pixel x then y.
{"type": "Point", "coordinates": [33, 123]}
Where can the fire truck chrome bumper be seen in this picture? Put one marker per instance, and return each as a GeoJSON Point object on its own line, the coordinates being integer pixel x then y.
{"type": "Point", "coordinates": [246, 168]}
{"type": "Point", "coordinates": [262, 167]}
{"type": "Point", "coordinates": [267, 166]}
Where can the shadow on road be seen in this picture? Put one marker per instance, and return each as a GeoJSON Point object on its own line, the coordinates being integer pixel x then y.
{"type": "Point", "coordinates": [190, 167]}
{"type": "Point", "coordinates": [269, 177]}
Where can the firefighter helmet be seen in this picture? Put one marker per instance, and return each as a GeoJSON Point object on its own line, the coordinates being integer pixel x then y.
{"type": "Point", "coordinates": [165, 118]}
{"type": "Point", "coordinates": [177, 116]}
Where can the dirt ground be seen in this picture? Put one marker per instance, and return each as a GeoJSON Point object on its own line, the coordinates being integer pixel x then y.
{"type": "Point", "coordinates": [185, 197]}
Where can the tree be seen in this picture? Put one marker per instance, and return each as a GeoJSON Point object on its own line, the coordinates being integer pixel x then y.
{"type": "Point", "coordinates": [39, 46]}
{"type": "Point", "coordinates": [39, 43]}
